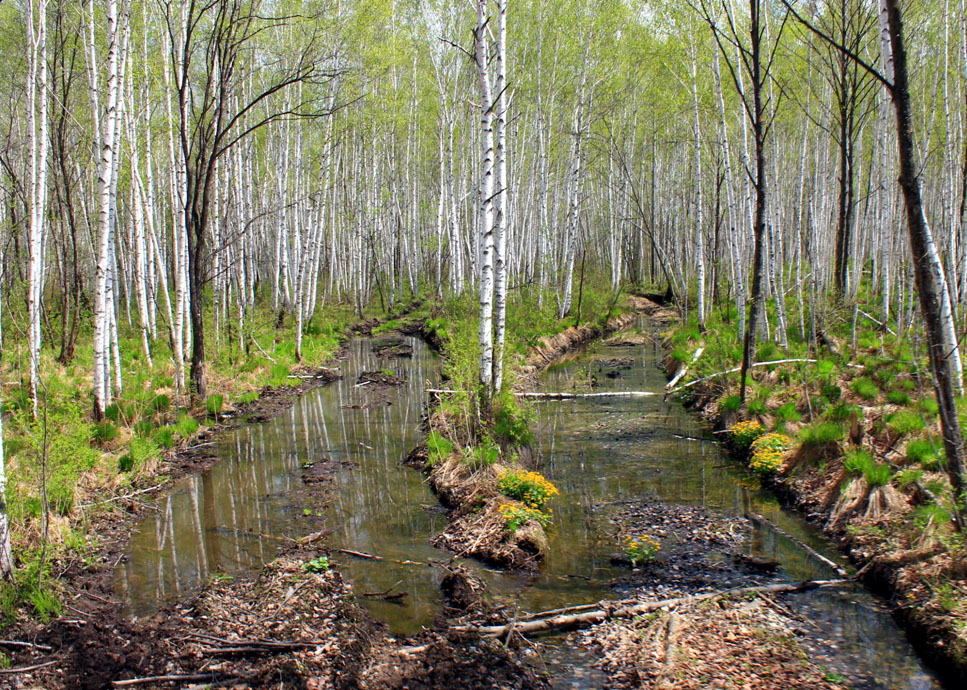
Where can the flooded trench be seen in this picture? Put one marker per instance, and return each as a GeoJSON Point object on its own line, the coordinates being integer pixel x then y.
{"type": "Point", "coordinates": [601, 453]}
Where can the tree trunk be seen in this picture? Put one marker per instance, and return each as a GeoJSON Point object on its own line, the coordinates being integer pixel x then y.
{"type": "Point", "coordinates": [928, 271]}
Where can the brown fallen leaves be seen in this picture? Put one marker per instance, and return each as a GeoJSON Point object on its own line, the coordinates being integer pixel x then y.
{"type": "Point", "coordinates": [724, 643]}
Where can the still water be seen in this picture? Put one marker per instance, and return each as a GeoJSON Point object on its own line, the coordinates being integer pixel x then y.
{"type": "Point", "coordinates": [599, 452]}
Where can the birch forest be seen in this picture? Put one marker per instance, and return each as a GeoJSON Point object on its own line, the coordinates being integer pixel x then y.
{"type": "Point", "coordinates": [200, 197]}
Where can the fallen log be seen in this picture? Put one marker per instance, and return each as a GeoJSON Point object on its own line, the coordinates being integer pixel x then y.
{"type": "Point", "coordinates": [561, 395]}
{"type": "Point", "coordinates": [618, 609]}
{"type": "Point", "coordinates": [836, 568]}
{"type": "Point", "coordinates": [684, 369]}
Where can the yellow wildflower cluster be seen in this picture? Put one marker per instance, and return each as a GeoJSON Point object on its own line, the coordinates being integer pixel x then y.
{"type": "Point", "coordinates": [516, 515]}
{"type": "Point", "coordinates": [744, 433]}
{"type": "Point", "coordinates": [642, 548]}
{"type": "Point", "coordinates": [531, 488]}
{"type": "Point", "coordinates": [768, 451]}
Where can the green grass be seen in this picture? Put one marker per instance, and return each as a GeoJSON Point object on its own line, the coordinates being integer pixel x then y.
{"type": "Point", "coordinates": [843, 411]}
{"type": "Point", "coordinates": [905, 422]}
{"type": "Point", "coordinates": [731, 403]}
{"type": "Point", "coordinates": [788, 413]}
{"type": "Point", "coordinates": [821, 434]}
{"type": "Point", "coordinates": [865, 388]}
{"type": "Point", "coordinates": [898, 397]}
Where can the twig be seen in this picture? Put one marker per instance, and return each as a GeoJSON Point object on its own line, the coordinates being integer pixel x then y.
{"type": "Point", "coordinates": [732, 371]}
{"type": "Point", "coordinates": [164, 679]}
{"type": "Point", "coordinates": [24, 669]}
{"type": "Point", "coordinates": [359, 554]}
{"type": "Point", "coordinates": [31, 645]}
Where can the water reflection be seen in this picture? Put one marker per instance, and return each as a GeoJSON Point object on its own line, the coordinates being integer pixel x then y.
{"type": "Point", "coordinates": [234, 517]}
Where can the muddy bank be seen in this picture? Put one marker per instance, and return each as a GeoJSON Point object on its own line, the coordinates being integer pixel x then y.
{"type": "Point", "coordinates": [296, 624]}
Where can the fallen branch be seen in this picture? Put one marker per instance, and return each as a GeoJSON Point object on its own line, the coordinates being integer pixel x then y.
{"type": "Point", "coordinates": [736, 369]}
{"type": "Point", "coordinates": [359, 554]}
{"type": "Point", "coordinates": [838, 569]}
{"type": "Point", "coordinates": [30, 645]}
{"type": "Point", "coordinates": [561, 395]}
{"type": "Point", "coordinates": [608, 610]}
{"type": "Point", "coordinates": [684, 369]}
{"type": "Point", "coordinates": [146, 680]}
{"type": "Point", "coordinates": [878, 323]}
{"type": "Point", "coordinates": [24, 669]}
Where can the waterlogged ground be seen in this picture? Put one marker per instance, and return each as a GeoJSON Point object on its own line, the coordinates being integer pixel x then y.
{"type": "Point", "coordinates": [608, 456]}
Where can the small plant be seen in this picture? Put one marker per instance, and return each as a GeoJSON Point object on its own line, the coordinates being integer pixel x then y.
{"type": "Point", "coordinates": [926, 452]}
{"type": "Point", "coordinates": [757, 407]}
{"type": "Point", "coordinates": [857, 460]}
{"type": "Point", "coordinates": [439, 448]}
{"type": "Point", "coordinates": [45, 604]}
{"type": "Point", "coordinates": [639, 549]}
{"type": "Point", "coordinates": [532, 488]}
{"type": "Point", "coordinates": [731, 403]}
{"type": "Point", "coordinates": [214, 404]}
{"type": "Point", "coordinates": [126, 463]}
{"type": "Point", "coordinates": [843, 411]}
{"type": "Point", "coordinates": [898, 397]}
{"type": "Point", "coordinates": [821, 434]}
{"type": "Point", "coordinates": [878, 474]}
{"type": "Point", "coordinates": [744, 433]}
{"type": "Point", "coordinates": [481, 456]}
{"type": "Point", "coordinates": [144, 428]}
{"type": "Point", "coordinates": [160, 403]}
{"type": "Point", "coordinates": [187, 425]}
{"type": "Point", "coordinates": [516, 515]}
{"type": "Point", "coordinates": [317, 565]}
{"type": "Point", "coordinates": [165, 437]}
{"type": "Point", "coordinates": [788, 413]}
{"type": "Point", "coordinates": [929, 406]}
{"type": "Point", "coordinates": [113, 412]}
{"type": "Point", "coordinates": [865, 388]}
{"type": "Point", "coordinates": [767, 453]}
{"type": "Point", "coordinates": [824, 367]}
{"type": "Point", "coordinates": [905, 422]}
{"type": "Point", "coordinates": [831, 392]}
{"type": "Point", "coordinates": [249, 397]}
{"type": "Point", "coordinates": [104, 432]}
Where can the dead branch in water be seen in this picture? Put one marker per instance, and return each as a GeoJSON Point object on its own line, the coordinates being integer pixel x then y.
{"type": "Point", "coordinates": [561, 395]}
{"type": "Point", "coordinates": [540, 622]}
{"type": "Point", "coordinates": [838, 569]}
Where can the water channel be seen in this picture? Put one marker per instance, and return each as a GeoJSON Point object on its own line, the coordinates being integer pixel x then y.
{"type": "Point", "coordinates": [599, 452]}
